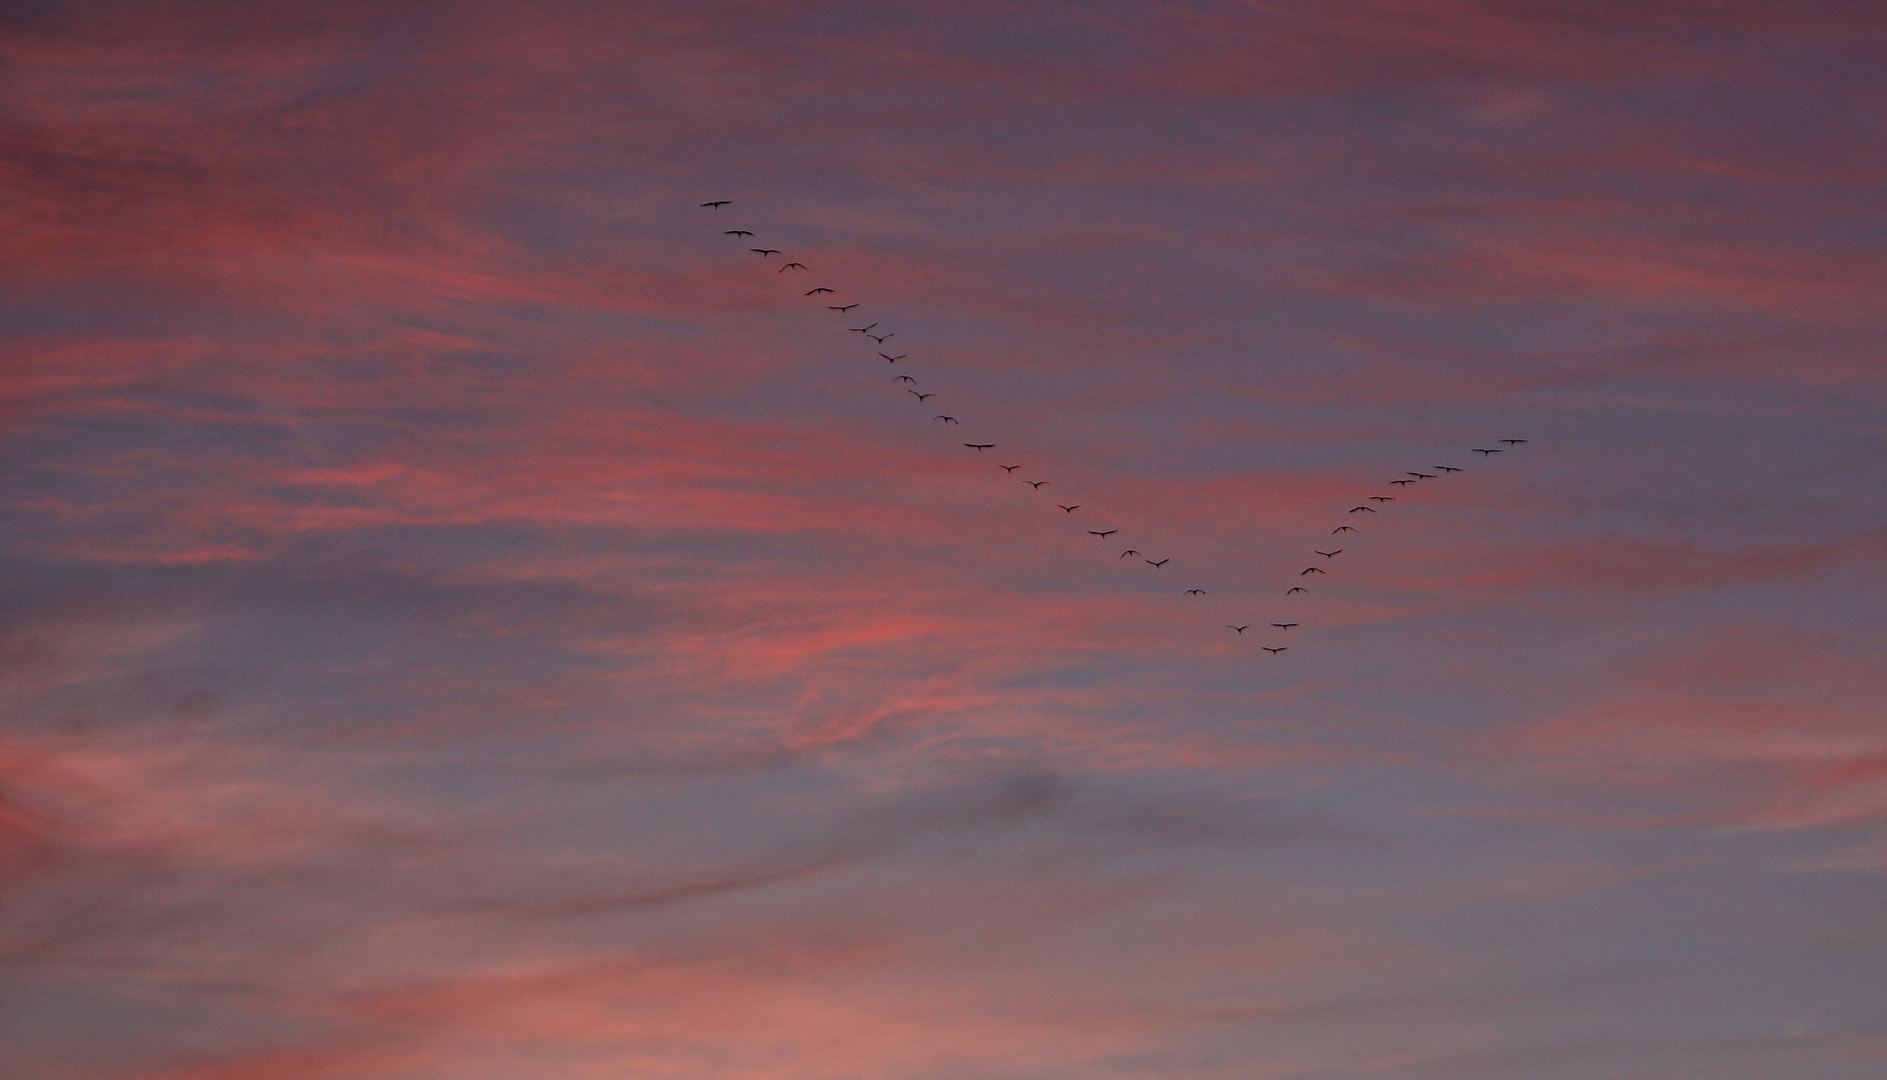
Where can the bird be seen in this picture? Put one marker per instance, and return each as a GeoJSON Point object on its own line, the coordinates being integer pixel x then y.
{"type": "Point", "coordinates": [1195, 592]}
{"type": "Point", "coordinates": [790, 266]}
{"type": "Point", "coordinates": [1103, 535]}
{"type": "Point", "coordinates": [1309, 570]}
{"type": "Point", "coordinates": [1295, 588]}
{"type": "Point", "coordinates": [718, 203]}
{"type": "Point", "coordinates": [946, 419]}
{"type": "Point", "coordinates": [1341, 528]}
{"type": "Point", "coordinates": [1284, 625]}
{"type": "Point", "coordinates": [1402, 481]}
{"type": "Point", "coordinates": [1423, 475]}
{"type": "Point", "coordinates": [764, 252]}
{"type": "Point", "coordinates": [894, 359]}
{"type": "Point", "coordinates": [980, 446]}
{"type": "Point", "coordinates": [1157, 565]}
{"type": "Point", "coordinates": [1273, 651]}
{"type": "Point", "coordinates": [921, 397]}
{"type": "Point", "coordinates": [737, 232]}
{"type": "Point", "coordinates": [860, 329]}
{"type": "Point", "coordinates": [847, 307]}
{"type": "Point", "coordinates": [1445, 468]}
{"type": "Point", "coordinates": [1382, 498]}
{"type": "Point", "coordinates": [1069, 509]}
{"type": "Point", "coordinates": [816, 292]}
{"type": "Point", "coordinates": [1364, 509]}
{"type": "Point", "coordinates": [1478, 450]}
{"type": "Point", "coordinates": [1331, 554]}
{"type": "Point", "coordinates": [1513, 442]}
{"type": "Point", "coordinates": [1006, 468]}
{"type": "Point", "coordinates": [881, 340]}
{"type": "Point", "coordinates": [1240, 629]}
{"type": "Point", "coordinates": [1036, 484]}
{"type": "Point", "coordinates": [1129, 551]}
{"type": "Point", "coordinates": [902, 378]}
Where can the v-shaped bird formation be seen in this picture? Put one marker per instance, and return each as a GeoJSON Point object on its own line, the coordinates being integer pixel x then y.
{"type": "Point", "coordinates": [878, 334]}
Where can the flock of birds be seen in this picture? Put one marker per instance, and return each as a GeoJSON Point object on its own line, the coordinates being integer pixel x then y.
{"type": "Point", "coordinates": [871, 330]}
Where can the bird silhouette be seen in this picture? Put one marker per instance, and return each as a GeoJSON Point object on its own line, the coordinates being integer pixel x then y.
{"type": "Point", "coordinates": [1069, 509]}
{"type": "Point", "coordinates": [1129, 551]}
{"type": "Point", "coordinates": [1195, 592]}
{"type": "Point", "coordinates": [1364, 510]}
{"type": "Point", "coordinates": [1037, 484]}
{"type": "Point", "coordinates": [894, 359]}
{"type": "Point", "coordinates": [1341, 529]}
{"type": "Point", "coordinates": [1385, 498]}
{"type": "Point", "coordinates": [1240, 629]}
{"type": "Point", "coordinates": [946, 419]}
{"type": "Point", "coordinates": [1157, 565]}
{"type": "Point", "coordinates": [1273, 651]}
{"type": "Point", "coordinates": [980, 446]}
{"type": "Point", "coordinates": [1284, 625]}
{"type": "Point", "coordinates": [1309, 570]}
{"type": "Point", "coordinates": [902, 378]}
{"type": "Point", "coordinates": [1479, 450]}
{"type": "Point", "coordinates": [1513, 442]}
{"type": "Point", "coordinates": [718, 203]}
{"type": "Point", "coordinates": [921, 397]}
{"type": "Point", "coordinates": [1423, 475]}
{"type": "Point", "coordinates": [737, 232]}
{"type": "Point", "coordinates": [1445, 468]}
{"type": "Point", "coordinates": [791, 266]}
{"type": "Point", "coordinates": [1399, 482]}
{"type": "Point", "coordinates": [764, 252]}
{"type": "Point", "coordinates": [881, 340]}
{"type": "Point", "coordinates": [860, 329]}
{"type": "Point", "coordinates": [1295, 588]}
{"type": "Point", "coordinates": [846, 307]}
{"type": "Point", "coordinates": [1331, 554]}
{"type": "Point", "coordinates": [815, 292]}
{"type": "Point", "coordinates": [1103, 535]}
{"type": "Point", "coordinates": [1008, 468]}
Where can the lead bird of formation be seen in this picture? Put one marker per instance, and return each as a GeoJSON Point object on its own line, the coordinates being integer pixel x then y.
{"type": "Point", "coordinates": [1409, 477]}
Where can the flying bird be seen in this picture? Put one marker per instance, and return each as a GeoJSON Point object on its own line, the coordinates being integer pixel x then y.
{"type": "Point", "coordinates": [847, 307]}
{"type": "Point", "coordinates": [1478, 450]}
{"type": "Point", "coordinates": [1240, 629]}
{"type": "Point", "coordinates": [1008, 468]}
{"type": "Point", "coordinates": [902, 378]}
{"type": "Point", "coordinates": [737, 232]}
{"type": "Point", "coordinates": [894, 359]}
{"type": "Point", "coordinates": [1513, 442]}
{"type": "Point", "coordinates": [1341, 528]}
{"type": "Point", "coordinates": [1129, 551]}
{"type": "Point", "coordinates": [1309, 570]}
{"type": "Point", "coordinates": [815, 292]}
{"type": "Point", "coordinates": [1157, 565]}
{"type": "Point", "coordinates": [881, 340]}
{"type": "Point", "coordinates": [921, 397]}
{"type": "Point", "coordinates": [1070, 509]}
{"type": "Point", "coordinates": [1103, 535]}
{"type": "Point", "coordinates": [1295, 588]}
{"type": "Point", "coordinates": [1384, 498]}
{"type": "Point", "coordinates": [1273, 651]}
{"type": "Point", "coordinates": [1195, 592]}
{"type": "Point", "coordinates": [1423, 475]}
{"type": "Point", "coordinates": [1330, 554]}
{"type": "Point", "coordinates": [718, 203]}
{"type": "Point", "coordinates": [764, 252]}
{"type": "Point", "coordinates": [860, 329]}
{"type": "Point", "coordinates": [1036, 484]}
{"type": "Point", "coordinates": [1284, 625]}
{"type": "Point", "coordinates": [1402, 481]}
{"type": "Point", "coordinates": [980, 446]}
{"type": "Point", "coordinates": [1364, 509]}
{"type": "Point", "coordinates": [790, 266]}
{"type": "Point", "coordinates": [1445, 468]}
{"type": "Point", "coordinates": [946, 419]}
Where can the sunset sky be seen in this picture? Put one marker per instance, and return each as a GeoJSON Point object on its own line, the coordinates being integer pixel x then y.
{"type": "Point", "coordinates": [466, 617]}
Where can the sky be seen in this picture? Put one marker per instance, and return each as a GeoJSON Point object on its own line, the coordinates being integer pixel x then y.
{"type": "Point", "coordinates": [466, 616]}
